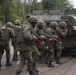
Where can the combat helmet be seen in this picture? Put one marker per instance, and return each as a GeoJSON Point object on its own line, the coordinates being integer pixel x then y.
{"type": "Point", "coordinates": [17, 22]}
{"type": "Point", "coordinates": [53, 24]}
{"type": "Point", "coordinates": [33, 19]}
{"type": "Point", "coordinates": [62, 24]}
{"type": "Point", "coordinates": [8, 24]}
{"type": "Point", "coordinates": [40, 24]}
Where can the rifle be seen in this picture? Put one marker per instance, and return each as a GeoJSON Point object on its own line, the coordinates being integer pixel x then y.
{"type": "Point", "coordinates": [54, 39]}
{"type": "Point", "coordinates": [38, 37]}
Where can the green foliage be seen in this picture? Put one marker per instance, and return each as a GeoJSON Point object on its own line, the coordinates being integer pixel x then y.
{"type": "Point", "coordinates": [36, 5]}
{"type": "Point", "coordinates": [33, 6]}
{"type": "Point", "coordinates": [10, 10]}
{"type": "Point", "coordinates": [56, 4]}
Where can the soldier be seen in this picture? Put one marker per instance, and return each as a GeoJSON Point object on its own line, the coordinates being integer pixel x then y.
{"type": "Point", "coordinates": [17, 28]}
{"type": "Point", "coordinates": [50, 52]}
{"type": "Point", "coordinates": [61, 30]}
{"type": "Point", "coordinates": [7, 34]}
{"type": "Point", "coordinates": [32, 20]}
{"type": "Point", "coordinates": [57, 46]}
{"type": "Point", "coordinates": [26, 46]}
{"type": "Point", "coordinates": [38, 30]}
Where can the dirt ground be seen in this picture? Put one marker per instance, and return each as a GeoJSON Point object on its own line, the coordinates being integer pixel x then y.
{"type": "Point", "coordinates": [67, 68]}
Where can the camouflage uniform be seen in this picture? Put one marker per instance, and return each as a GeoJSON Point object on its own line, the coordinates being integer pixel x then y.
{"type": "Point", "coordinates": [50, 52]}
{"type": "Point", "coordinates": [7, 34]}
{"type": "Point", "coordinates": [17, 28]}
{"type": "Point", "coordinates": [25, 47]}
{"type": "Point", "coordinates": [61, 30]}
{"type": "Point", "coordinates": [32, 20]}
{"type": "Point", "coordinates": [38, 30]}
{"type": "Point", "coordinates": [58, 46]}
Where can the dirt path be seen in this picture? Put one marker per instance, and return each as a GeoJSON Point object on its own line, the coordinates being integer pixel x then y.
{"type": "Point", "coordinates": [67, 68]}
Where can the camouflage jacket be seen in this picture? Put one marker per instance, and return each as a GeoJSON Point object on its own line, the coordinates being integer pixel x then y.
{"type": "Point", "coordinates": [61, 32]}
{"type": "Point", "coordinates": [16, 29]}
{"type": "Point", "coordinates": [38, 31]}
{"type": "Point", "coordinates": [8, 33]}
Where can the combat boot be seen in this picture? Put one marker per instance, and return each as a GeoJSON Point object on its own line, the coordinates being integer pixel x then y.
{"type": "Point", "coordinates": [35, 68]}
{"type": "Point", "coordinates": [17, 73]}
{"type": "Point", "coordinates": [8, 63]}
{"type": "Point", "coordinates": [30, 72]}
{"type": "Point", "coordinates": [50, 64]}
{"type": "Point", "coordinates": [0, 64]}
{"type": "Point", "coordinates": [58, 61]}
{"type": "Point", "coordinates": [33, 72]}
{"type": "Point", "coordinates": [15, 58]}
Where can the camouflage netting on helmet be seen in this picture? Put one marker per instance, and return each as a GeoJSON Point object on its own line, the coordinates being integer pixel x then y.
{"type": "Point", "coordinates": [53, 24]}
{"type": "Point", "coordinates": [9, 24]}
{"type": "Point", "coordinates": [17, 22]}
{"type": "Point", "coordinates": [33, 19]}
{"type": "Point", "coordinates": [40, 23]}
{"type": "Point", "coordinates": [62, 24]}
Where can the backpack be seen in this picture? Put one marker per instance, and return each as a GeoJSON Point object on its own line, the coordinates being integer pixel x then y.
{"type": "Point", "coordinates": [27, 33]}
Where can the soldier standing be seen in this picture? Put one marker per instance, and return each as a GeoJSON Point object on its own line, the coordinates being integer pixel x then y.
{"type": "Point", "coordinates": [38, 30]}
{"type": "Point", "coordinates": [32, 20]}
{"type": "Point", "coordinates": [61, 30]}
{"type": "Point", "coordinates": [16, 27]}
{"type": "Point", "coordinates": [50, 53]}
{"type": "Point", "coordinates": [7, 34]}
{"type": "Point", "coordinates": [58, 46]}
{"type": "Point", "coordinates": [26, 46]}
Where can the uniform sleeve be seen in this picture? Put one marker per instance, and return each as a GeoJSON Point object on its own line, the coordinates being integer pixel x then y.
{"type": "Point", "coordinates": [62, 33]}
{"type": "Point", "coordinates": [48, 31]}
{"type": "Point", "coordinates": [35, 31]}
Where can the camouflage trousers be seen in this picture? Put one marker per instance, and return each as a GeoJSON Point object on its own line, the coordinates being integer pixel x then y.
{"type": "Point", "coordinates": [35, 52]}
{"type": "Point", "coordinates": [14, 43]}
{"type": "Point", "coordinates": [50, 54]}
{"type": "Point", "coordinates": [25, 56]}
{"type": "Point", "coordinates": [7, 49]}
{"type": "Point", "coordinates": [58, 51]}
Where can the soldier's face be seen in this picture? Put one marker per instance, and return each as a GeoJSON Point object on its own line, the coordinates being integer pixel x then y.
{"type": "Point", "coordinates": [33, 24]}
{"type": "Point", "coordinates": [17, 24]}
{"type": "Point", "coordinates": [62, 27]}
{"type": "Point", "coordinates": [54, 28]}
{"type": "Point", "coordinates": [40, 28]}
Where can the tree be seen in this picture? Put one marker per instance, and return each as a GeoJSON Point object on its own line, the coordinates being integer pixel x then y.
{"type": "Point", "coordinates": [10, 10]}
{"type": "Point", "coordinates": [31, 6]}
{"type": "Point", "coordinates": [36, 5]}
{"type": "Point", "coordinates": [55, 4]}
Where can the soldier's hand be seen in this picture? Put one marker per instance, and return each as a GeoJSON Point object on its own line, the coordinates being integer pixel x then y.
{"type": "Point", "coordinates": [35, 37]}
{"type": "Point", "coordinates": [42, 42]}
{"type": "Point", "coordinates": [42, 36]}
{"type": "Point", "coordinates": [69, 32]}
